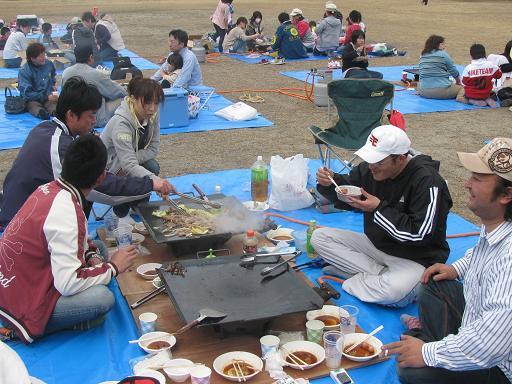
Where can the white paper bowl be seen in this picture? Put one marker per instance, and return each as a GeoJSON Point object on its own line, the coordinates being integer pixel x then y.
{"type": "Point", "coordinates": [287, 232]}
{"type": "Point", "coordinates": [331, 310]}
{"type": "Point", "coordinates": [306, 346]}
{"type": "Point", "coordinates": [179, 375]}
{"type": "Point", "coordinates": [141, 228]}
{"type": "Point", "coordinates": [347, 190]}
{"type": "Point", "coordinates": [352, 338]}
{"type": "Point", "coordinates": [144, 268]}
{"type": "Point", "coordinates": [226, 359]}
{"type": "Point", "coordinates": [152, 373]}
{"type": "Point", "coordinates": [164, 336]}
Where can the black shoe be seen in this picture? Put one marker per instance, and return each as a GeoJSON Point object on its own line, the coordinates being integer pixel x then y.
{"type": "Point", "coordinates": [166, 84]}
{"type": "Point", "coordinates": [43, 114]}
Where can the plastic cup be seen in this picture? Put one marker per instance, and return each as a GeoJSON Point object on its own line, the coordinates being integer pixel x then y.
{"type": "Point", "coordinates": [111, 223]}
{"type": "Point", "coordinates": [333, 353]}
{"type": "Point", "coordinates": [123, 235]}
{"type": "Point", "coordinates": [147, 322]}
{"type": "Point", "coordinates": [269, 343]}
{"type": "Point", "coordinates": [348, 318]}
{"type": "Point", "coordinates": [315, 331]}
{"type": "Point", "coordinates": [200, 374]}
{"type": "Point", "coordinates": [299, 238]}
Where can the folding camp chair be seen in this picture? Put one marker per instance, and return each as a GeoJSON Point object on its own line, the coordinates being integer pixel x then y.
{"type": "Point", "coordinates": [360, 104]}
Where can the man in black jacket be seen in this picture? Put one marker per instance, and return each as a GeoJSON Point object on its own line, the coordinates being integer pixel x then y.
{"type": "Point", "coordinates": [405, 203]}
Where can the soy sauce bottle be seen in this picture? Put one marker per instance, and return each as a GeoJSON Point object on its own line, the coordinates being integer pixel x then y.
{"type": "Point", "coordinates": [250, 243]}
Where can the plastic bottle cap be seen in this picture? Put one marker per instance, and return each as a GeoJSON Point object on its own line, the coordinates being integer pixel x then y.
{"type": "Point", "coordinates": [250, 233]}
{"type": "Point", "coordinates": [260, 158]}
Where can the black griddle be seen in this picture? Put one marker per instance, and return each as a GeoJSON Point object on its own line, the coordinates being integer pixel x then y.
{"type": "Point", "coordinates": [155, 224]}
{"type": "Point", "coordinates": [243, 294]}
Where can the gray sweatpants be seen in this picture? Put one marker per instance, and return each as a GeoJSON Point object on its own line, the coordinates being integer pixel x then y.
{"type": "Point", "coordinates": [377, 277]}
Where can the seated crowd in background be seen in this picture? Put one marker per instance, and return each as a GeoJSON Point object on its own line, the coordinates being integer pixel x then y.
{"type": "Point", "coordinates": [236, 40]}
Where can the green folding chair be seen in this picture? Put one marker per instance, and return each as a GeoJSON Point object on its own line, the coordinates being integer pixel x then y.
{"type": "Point", "coordinates": [360, 104]}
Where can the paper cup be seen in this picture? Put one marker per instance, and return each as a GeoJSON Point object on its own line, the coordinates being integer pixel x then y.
{"type": "Point", "coordinates": [315, 331]}
{"type": "Point", "coordinates": [269, 343]}
{"type": "Point", "coordinates": [147, 322]}
{"type": "Point", "coordinates": [200, 374]}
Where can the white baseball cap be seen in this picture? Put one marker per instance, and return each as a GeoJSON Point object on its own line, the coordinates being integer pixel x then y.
{"type": "Point", "coordinates": [330, 7]}
{"type": "Point", "coordinates": [295, 12]}
{"type": "Point", "coordinates": [495, 157]}
{"type": "Point", "coordinates": [384, 141]}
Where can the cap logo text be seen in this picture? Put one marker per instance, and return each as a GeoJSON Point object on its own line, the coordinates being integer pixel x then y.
{"type": "Point", "coordinates": [373, 140]}
{"type": "Point", "coordinates": [501, 161]}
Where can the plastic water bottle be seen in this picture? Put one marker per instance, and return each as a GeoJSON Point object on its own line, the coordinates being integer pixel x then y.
{"type": "Point", "coordinates": [259, 180]}
{"type": "Point", "coordinates": [309, 248]}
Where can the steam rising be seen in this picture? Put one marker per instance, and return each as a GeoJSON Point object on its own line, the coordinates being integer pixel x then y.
{"type": "Point", "coordinates": [237, 219]}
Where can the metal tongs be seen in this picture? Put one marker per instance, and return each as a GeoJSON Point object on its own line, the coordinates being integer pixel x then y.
{"type": "Point", "coordinates": [178, 209]}
{"type": "Point", "coordinates": [198, 200]}
{"type": "Point", "coordinates": [251, 259]}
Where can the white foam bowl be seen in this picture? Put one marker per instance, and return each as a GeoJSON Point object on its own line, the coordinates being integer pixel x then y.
{"type": "Point", "coordinates": [352, 338]}
{"type": "Point", "coordinates": [344, 191]}
{"type": "Point", "coordinates": [227, 358]}
{"type": "Point", "coordinates": [137, 238]}
{"type": "Point", "coordinates": [331, 310]}
{"type": "Point", "coordinates": [163, 336]}
{"type": "Point", "coordinates": [305, 346]}
{"type": "Point", "coordinates": [181, 374]}
{"type": "Point", "coordinates": [287, 232]}
{"type": "Point", "coordinates": [143, 270]}
{"type": "Point", "coordinates": [141, 228]}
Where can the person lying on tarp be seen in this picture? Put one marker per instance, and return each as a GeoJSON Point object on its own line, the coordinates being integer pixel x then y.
{"type": "Point", "coordinates": [190, 74]}
{"type": "Point", "coordinates": [111, 91]}
{"type": "Point", "coordinates": [51, 277]}
{"type": "Point", "coordinates": [287, 41]}
{"type": "Point", "coordinates": [39, 160]}
{"type": "Point", "coordinates": [405, 203]}
{"type": "Point", "coordinates": [132, 136]}
{"type": "Point", "coordinates": [463, 332]}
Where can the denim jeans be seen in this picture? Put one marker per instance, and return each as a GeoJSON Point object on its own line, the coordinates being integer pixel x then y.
{"type": "Point", "coordinates": [84, 306]}
{"type": "Point", "coordinates": [441, 305]}
{"type": "Point", "coordinates": [13, 63]}
{"type": "Point", "coordinates": [240, 46]}
{"type": "Point", "coordinates": [221, 33]}
{"type": "Point", "coordinates": [107, 53]}
{"type": "Point", "coordinates": [123, 209]}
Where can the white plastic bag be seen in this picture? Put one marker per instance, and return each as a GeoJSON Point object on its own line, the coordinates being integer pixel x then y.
{"type": "Point", "coordinates": [238, 112]}
{"type": "Point", "coordinates": [289, 183]}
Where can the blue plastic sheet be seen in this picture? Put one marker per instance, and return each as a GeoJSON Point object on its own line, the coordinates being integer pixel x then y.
{"type": "Point", "coordinates": [15, 128]}
{"type": "Point", "coordinates": [139, 62]}
{"type": "Point", "coordinates": [406, 101]}
{"type": "Point", "coordinates": [106, 348]}
{"type": "Point", "coordinates": [257, 60]}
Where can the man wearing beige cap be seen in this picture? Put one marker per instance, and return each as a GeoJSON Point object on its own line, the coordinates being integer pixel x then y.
{"type": "Point", "coordinates": [305, 34]}
{"type": "Point", "coordinates": [328, 32]}
{"type": "Point", "coordinates": [405, 203]}
{"type": "Point", "coordinates": [464, 331]}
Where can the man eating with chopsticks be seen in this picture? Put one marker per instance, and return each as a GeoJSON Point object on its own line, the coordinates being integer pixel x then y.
{"type": "Point", "coordinates": [51, 277]}
{"type": "Point", "coordinates": [464, 332]}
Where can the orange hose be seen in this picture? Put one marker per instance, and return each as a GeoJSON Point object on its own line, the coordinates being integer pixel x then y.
{"type": "Point", "coordinates": [306, 223]}
{"type": "Point", "coordinates": [327, 277]}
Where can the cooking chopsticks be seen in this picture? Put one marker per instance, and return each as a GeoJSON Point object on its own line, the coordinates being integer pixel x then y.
{"type": "Point", "coordinates": [198, 200]}
{"type": "Point", "coordinates": [148, 297]}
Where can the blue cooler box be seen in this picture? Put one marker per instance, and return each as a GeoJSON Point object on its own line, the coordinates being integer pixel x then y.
{"type": "Point", "coordinates": [174, 109]}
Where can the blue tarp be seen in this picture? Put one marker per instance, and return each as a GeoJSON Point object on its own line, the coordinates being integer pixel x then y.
{"type": "Point", "coordinates": [109, 355]}
{"type": "Point", "coordinates": [249, 60]}
{"type": "Point", "coordinates": [139, 62]}
{"type": "Point", "coordinates": [406, 101]}
{"type": "Point", "coordinates": [15, 128]}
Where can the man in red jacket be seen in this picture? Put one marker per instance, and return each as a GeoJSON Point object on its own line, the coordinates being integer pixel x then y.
{"type": "Point", "coordinates": [50, 277]}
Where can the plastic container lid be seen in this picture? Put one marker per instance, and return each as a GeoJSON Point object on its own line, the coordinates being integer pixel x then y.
{"type": "Point", "coordinates": [250, 233]}
{"type": "Point", "coordinates": [260, 158]}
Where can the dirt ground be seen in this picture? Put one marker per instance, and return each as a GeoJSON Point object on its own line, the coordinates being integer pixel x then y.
{"type": "Point", "coordinates": [403, 23]}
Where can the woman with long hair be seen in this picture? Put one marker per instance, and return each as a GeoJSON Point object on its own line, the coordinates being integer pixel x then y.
{"type": "Point", "coordinates": [436, 70]}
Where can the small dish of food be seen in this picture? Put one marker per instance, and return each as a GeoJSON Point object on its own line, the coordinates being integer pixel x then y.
{"type": "Point", "coordinates": [344, 191]}
{"type": "Point", "coordinates": [329, 315]}
{"type": "Point", "coordinates": [302, 354]}
{"type": "Point", "coordinates": [141, 228]}
{"type": "Point", "coordinates": [148, 270]}
{"type": "Point", "coordinates": [238, 365]}
{"type": "Point", "coordinates": [137, 238]}
{"type": "Point", "coordinates": [256, 206]}
{"type": "Point", "coordinates": [156, 341]}
{"type": "Point", "coordinates": [280, 234]}
{"type": "Point", "coordinates": [368, 350]}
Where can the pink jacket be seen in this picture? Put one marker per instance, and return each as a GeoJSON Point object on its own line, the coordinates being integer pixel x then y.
{"type": "Point", "coordinates": [221, 15]}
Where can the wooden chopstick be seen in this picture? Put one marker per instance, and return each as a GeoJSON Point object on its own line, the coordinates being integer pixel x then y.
{"type": "Point", "coordinates": [238, 375]}
{"type": "Point", "coordinates": [354, 346]}
{"type": "Point", "coordinates": [296, 359]}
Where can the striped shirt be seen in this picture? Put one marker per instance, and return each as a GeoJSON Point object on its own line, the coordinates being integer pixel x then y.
{"type": "Point", "coordinates": [484, 339]}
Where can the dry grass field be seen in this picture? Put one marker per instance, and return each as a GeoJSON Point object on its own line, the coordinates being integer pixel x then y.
{"type": "Point", "coordinates": [403, 23]}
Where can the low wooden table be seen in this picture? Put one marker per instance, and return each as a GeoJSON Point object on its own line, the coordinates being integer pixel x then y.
{"type": "Point", "coordinates": [203, 344]}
